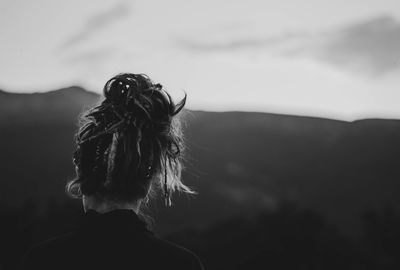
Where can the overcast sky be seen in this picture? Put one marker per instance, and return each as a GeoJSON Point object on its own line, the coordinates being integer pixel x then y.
{"type": "Point", "coordinates": [338, 59]}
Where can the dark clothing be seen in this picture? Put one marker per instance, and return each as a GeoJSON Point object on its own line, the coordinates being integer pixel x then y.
{"type": "Point", "coordinates": [114, 240]}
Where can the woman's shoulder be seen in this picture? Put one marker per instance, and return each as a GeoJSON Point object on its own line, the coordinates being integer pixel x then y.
{"type": "Point", "coordinates": [177, 255]}
{"type": "Point", "coordinates": [48, 251]}
{"type": "Point", "coordinates": [148, 251]}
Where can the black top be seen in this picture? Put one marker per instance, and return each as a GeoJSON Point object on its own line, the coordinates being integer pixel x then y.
{"type": "Point", "coordinates": [114, 240]}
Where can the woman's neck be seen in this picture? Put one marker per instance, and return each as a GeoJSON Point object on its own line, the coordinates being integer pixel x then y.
{"type": "Point", "coordinates": [104, 206]}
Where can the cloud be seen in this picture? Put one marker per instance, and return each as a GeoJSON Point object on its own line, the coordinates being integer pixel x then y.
{"type": "Point", "coordinates": [97, 23]}
{"type": "Point", "coordinates": [92, 57]}
{"type": "Point", "coordinates": [236, 44]}
{"type": "Point", "coordinates": [370, 47]}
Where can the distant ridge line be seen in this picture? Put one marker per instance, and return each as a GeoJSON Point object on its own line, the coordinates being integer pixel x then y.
{"type": "Point", "coordinates": [81, 90]}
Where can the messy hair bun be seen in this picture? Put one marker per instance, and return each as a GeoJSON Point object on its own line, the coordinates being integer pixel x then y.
{"type": "Point", "coordinates": [129, 142]}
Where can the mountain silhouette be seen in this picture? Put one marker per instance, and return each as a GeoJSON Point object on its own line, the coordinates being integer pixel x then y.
{"type": "Point", "coordinates": [239, 162]}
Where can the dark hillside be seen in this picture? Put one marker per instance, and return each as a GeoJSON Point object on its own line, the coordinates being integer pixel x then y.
{"type": "Point", "coordinates": [239, 162]}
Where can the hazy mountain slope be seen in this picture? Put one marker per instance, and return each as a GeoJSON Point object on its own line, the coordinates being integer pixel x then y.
{"type": "Point", "coordinates": [253, 160]}
{"type": "Point", "coordinates": [238, 162]}
{"type": "Point", "coordinates": [36, 141]}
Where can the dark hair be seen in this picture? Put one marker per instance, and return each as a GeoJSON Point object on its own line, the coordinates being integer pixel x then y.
{"type": "Point", "coordinates": [129, 142]}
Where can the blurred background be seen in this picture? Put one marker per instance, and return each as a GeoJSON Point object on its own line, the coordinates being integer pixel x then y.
{"type": "Point", "coordinates": [292, 123]}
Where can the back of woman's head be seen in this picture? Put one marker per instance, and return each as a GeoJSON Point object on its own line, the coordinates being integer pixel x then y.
{"type": "Point", "coordinates": [129, 144]}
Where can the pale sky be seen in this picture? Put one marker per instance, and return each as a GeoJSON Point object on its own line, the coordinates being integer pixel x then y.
{"type": "Point", "coordinates": [337, 59]}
